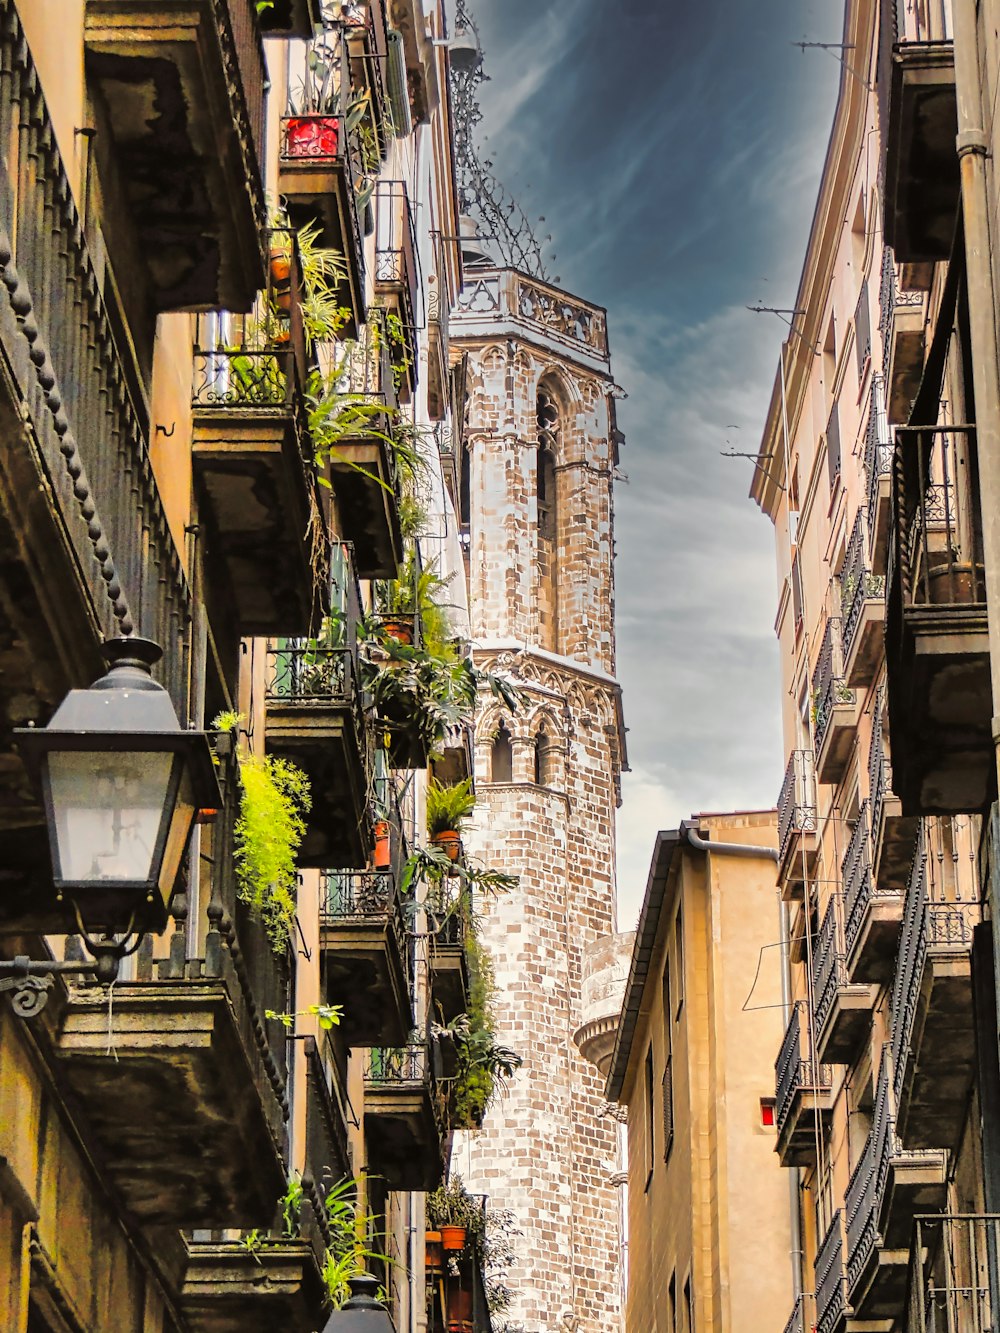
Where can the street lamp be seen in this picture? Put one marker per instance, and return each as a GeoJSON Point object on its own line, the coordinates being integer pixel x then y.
{"type": "Point", "coordinates": [363, 1313]}
{"type": "Point", "coordinates": [122, 785]}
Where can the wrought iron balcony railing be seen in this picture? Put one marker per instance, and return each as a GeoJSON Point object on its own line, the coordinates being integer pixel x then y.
{"type": "Point", "coordinates": [397, 265]}
{"type": "Point", "coordinates": [857, 584]}
{"type": "Point", "coordinates": [864, 1190]}
{"type": "Point", "coordinates": [829, 971]}
{"type": "Point", "coordinates": [929, 21]}
{"type": "Point", "coordinates": [311, 676]}
{"type": "Point", "coordinates": [803, 1316]}
{"type": "Point", "coordinates": [796, 1069]}
{"type": "Point", "coordinates": [828, 684]}
{"type": "Point", "coordinates": [953, 1283]}
{"type": "Point", "coordinates": [891, 298]}
{"type": "Point", "coordinates": [831, 1278]}
{"type": "Point", "coordinates": [878, 446]}
{"type": "Point", "coordinates": [797, 802]}
{"type": "Point", "coordinates": [879, 772]}
{"type": "Point", "coordinates": [856, 873]}
{"type": "Point", "coordinates": [910, 960]}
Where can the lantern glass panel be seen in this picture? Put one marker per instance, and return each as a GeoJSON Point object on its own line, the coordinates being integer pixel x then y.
{"type": "Point", "coordinates": [178, 832]}
{"type": "Point", "coordinates": [108, 809]}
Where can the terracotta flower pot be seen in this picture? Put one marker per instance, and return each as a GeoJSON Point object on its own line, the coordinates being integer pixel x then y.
{"type": "Point", "coordinates": [450, 843]}
{"type": "Point", "coordinates": [312, 136]}
{"type": "Point", "coordinates": [383, 849]}
{"type": "Point", "coordinates": [433, 1255]}
{"type": "Point", "coordinates": [398, 630]}
{"type": "Point", "coordinates": [453, 1238]}
{"type": "Point", "coordinates": [459, 1303]}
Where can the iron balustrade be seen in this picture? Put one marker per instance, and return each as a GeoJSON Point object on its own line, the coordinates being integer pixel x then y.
{"type": "Point", "coordinates": [397, 263]}
{"type": "Point", "coordinates": [856, 874]}
{"type": "Point", "coordinates": [87, 421]}
{"type": "Point", "coordinates": [246, 379]}
{"type": "Point", "coordinates": [857, 583]}
{"type": "Point", "coordinates": [892, 297]}
{"type": "Point", "coordinates": [328, 1153]}
{"type": "Point", "coordinates": [829, 972]}
{"type": "Point", "coordinates": [801, 1320]}
{"type": "Point", "coordinates": [953, 1279]}
{"type": "Point", "coordinates": [878, 445]}
{"type": "Point", "coordinates": [862, 330]}
{"type": "Point", "coordinates": [448, 914]}
{"type": "Point", "coordinates": [831, 1279]}
{"type": "Point", "coordinates": [929, 21]}
{"type": "Point", "coordinates": [938, 547]}
{"type": "Point", "coordinates": [308, 675]}
{"type": "Point", "coordinates": [350, 895]}
{"type": "Point", "coordinates": [795, 1072]}
{"type": "Point", "coordinates": [828, 685]}
{"type": "Point", "coordinates": [931, 921]}
{"type": "Point", "coordinates": [867, 1183]}
{"type": "Point", "coordinates": [879, 772]}
{"type": "Point", "coordinates": [246, 68]}
{"type": "Point", "coordinates": [797, 808]}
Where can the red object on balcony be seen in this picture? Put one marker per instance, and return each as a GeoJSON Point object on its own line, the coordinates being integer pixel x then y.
{"type": "Point", "coordinates": [383, 852]}
{"type": "Point", "coordinates": [312, 136]}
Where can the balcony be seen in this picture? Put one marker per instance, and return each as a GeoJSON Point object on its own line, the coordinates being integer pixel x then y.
{"type": "Point", "coordinates": [397, 281]}
{"type": "Point", "coordinates": [403, 1118]}
{"type": "Point", "coordinates": [804, 1094]}
{"type": "Point", "coordinates": [328, 1154]}
{"type": "Point", "coordinates": [933, 1038]}
{"type": "Point", "coordinates": [323, 164]}
{"type": "Point", "coordinates": [363, 462]}
{"type": "Point", "coordinates": [438, 335]}
{"type": "Point", "coordinates": [291, 18]}
{"type": "Point", "coordinates": [862, 600]}
{"type": "Point", "coordinates": [457, 1300]}
{"type": "Point", "coordinates": [919, 124]}
{"type": "Point", "coordinates": [803, 1316]}
{"type": "Point", "coordinates": [364, 955]}
{"type": "Point", "coordinates": [937, 646]}
{"type": "Point", "coordinates": [831, 1280]}
{"type": "Point", "coordinates": [872, 915]}
{"type": "Point", "coordinates": [903, 323]}
{"type": "Point", "coordinates": [888, 1187]}
{"type": "Point", "coordinates": [316, 719]}
{"type": "Point", "coordinates": [834, 706]}
{"type": "Point", "coordinates": [798, 830]}
{"type": "Point", "coordinates": [841, 1009]}
{"type": "Point", "coordinates": [448, 926]}
{"type": "Point", "coordinates": [455, 763]}
{"type": "Point", "coordinates": [953, 1274]}
{"type": "Point", "coordinates": [257, 489]}
{"type": "Point", "coordinates": [186, 1057]}
{"type": "Point", "coordinates": [180, 109]}
{"type": "Point", "coordinates": [367, 46]}
{"type": "Point", "coordinates": [878, 474]}
{"type": "Point", "coordinates": [230, 1288]}
{"type": "Point", "coordinates": [893, 835]}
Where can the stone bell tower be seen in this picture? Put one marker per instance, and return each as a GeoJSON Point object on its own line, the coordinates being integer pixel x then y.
{"type": "Point", "coordinates": [536, 481]}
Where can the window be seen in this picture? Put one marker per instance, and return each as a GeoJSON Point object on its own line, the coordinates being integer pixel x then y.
{"type": "Point", "coordinates": [649, 1115]}
{"type": "Point", "coordinates": [689, 1304]}
{"type": "Point", "coordinates": [668, 1107]}
{"type": "Point", "coordinates": [833, 445]}
{"type": "Point", "coordinates": [768, 1112]}
{"type": "Point", "coordinates": [543, 760]}
{"type": "Point", "coordinates": [502, 756]}
{"type": "Point", "coordinates": [862, 331]}
{"type": "Point", "coordinates": [546, 494]}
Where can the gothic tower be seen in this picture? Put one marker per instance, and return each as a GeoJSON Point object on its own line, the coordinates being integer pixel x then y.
{"type": "Point", "coordinates": [540, 448]}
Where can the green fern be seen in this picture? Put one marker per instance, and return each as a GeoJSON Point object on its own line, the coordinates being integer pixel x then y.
{"type": "Point", "coordinates": [269, 830]}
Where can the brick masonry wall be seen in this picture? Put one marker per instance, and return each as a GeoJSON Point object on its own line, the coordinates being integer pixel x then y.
{"type": "Point", "coordinates": [546, 1151]}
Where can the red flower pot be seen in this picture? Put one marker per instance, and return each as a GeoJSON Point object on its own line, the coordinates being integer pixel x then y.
{"type": "Point", "coordinates": [382, 848]}
{"type": "Point", "coordinates": [453, 1238]}
{"type": "Point", "coordinates": [312, 136]}
{"type": "Point", "coordinates": [450, 843]}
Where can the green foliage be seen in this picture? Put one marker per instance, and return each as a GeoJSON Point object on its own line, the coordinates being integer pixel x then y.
{"type": "Point", "coordinates": [448, 806]}
{"type": "Point", "coordinates": [274, 798]}
{"type": "Point", "coordinates": [452, 1205]}
{"type": "Point", "coordinates": [484, 1066]}
{"type": "Point", "coordinates": [350, 1248]}
{"type": "Point", "coordinates": [228, 721]}
{"type": "Point", "coordinates": [328, 1015]}
{"type": "Point", "coordinates": [291, 1207]}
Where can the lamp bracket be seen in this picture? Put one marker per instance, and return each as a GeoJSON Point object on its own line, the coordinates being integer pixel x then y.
{"type": "Point", "coordinates": [30, 981]}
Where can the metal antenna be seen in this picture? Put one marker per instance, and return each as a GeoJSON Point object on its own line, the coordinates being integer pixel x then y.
{"type": "Point", "coordinates": [836, 49]}
{"type": "Point", "coordinates": [500, 220]}
{"type": "Point", "coordinates": [783, 315]}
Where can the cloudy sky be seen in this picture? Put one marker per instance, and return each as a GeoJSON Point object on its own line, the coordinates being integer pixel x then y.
{"type": "Point", "coordinates": [674, 150]}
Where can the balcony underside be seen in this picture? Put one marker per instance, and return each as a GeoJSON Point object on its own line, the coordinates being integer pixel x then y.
{"type": "Point", "coordinates": [402, 1135]}
{"type": "Point", "coordinates": [879, 1293]}
{"type": "Point", "coordinates": [846, 1025]}
{"type": "Point", "coordinates": [864, 653]}
{"type": "Point", "coordinates": [291, 18]}
{"type": "Point", "coordinates": [368, 507]}
{"type": "Point", "coordinates": [906, 360]}
{"type": "Point", "coordinates": [449, 981]}
{"type": "Point", "coordinates": [319, 192]}
{"type": "Point", "coordinates": [254, 490]}
{"type": "Point", "coordinates": [917, 1183]}
{"type": "Point", "coordinates": [921, 170]}
{"type": "Point", "coordinates": [893, 845]}
{"type": "Point", "coordinates": [170, 120]}
{"type": "Point", "coordinates": [940, 1065]}
{"type": "Point", "coordinates": [872, 958]}
{"type": "Point", "coordinates": [188, 1129]}
{"type": "Point", "coordinates": [811, 1111]}
{"type": "Point", "coordinates": [798, 865]}
{"type": "Point", "coordinates": [229, 1289]}
{"type": "Point", "coordinates": [940, 710]}
{"type": "Point", "coordinates": [323, 741]}
{"type": "Point", "coordinates": [364, 971]}
{"type": "Point", "coordinates": [837, 743]}
{"type": "Point", "coordinates": [879, 515]}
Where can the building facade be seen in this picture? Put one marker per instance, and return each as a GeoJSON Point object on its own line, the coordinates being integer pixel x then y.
{"type": "Point", "coordinates": [873, 468]}
{"type": "Point", "coordinates": [228, 247]}
{"type": "Point", "coordinates": [537, 507]}
{"type": "Point", "coordinates": [709, 1238]}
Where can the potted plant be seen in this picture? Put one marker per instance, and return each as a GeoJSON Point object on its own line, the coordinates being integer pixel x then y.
{"type": "Point", "coordinates": [447, 808]}
{"type": "Point", "coordinates": [453, 1211]}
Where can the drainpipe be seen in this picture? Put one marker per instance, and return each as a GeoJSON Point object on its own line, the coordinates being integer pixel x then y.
{"type": "Point", "coordinates": [749, 849]}
{"type": "Point", "coordinates": [972, 145]}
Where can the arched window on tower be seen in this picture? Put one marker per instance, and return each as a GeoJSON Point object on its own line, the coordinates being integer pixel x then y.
{"type": "Point", "coordinates": [502, 756]}
{"type": "Point", "coordinates": [547, 418]}
{"type": "Point", "coordinates": [543, 759]}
